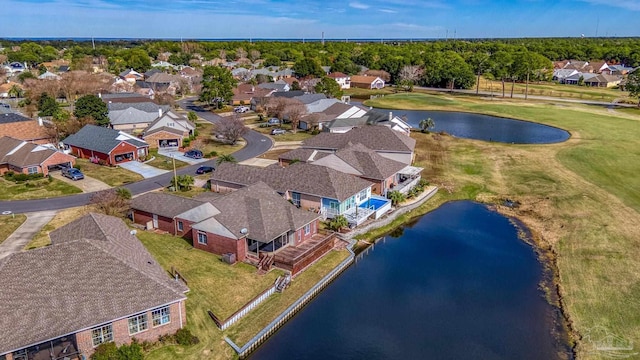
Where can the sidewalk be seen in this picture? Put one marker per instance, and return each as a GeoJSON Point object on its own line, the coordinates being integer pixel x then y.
{"type": "Point", "coordinates": [21, 237]}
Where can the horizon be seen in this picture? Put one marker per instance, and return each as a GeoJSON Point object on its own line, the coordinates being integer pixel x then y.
{"type": "Point", "coordinates": [286, 19]}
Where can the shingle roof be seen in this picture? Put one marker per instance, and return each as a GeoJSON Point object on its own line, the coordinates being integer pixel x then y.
{"type": "Point", "coordinates": [288, 94]}
{"type": "Point", "coordinates": [23, 154]}
{"type": "Point", "coordinates": [367, 162]}
{"type": "Point", "coordinates": [299, 177]}
{"type": "Point", "coordinates": [320, 105]}
{"type": "Point", "coordinates": [8, 118]}
{"type": "Point", "coordinates": [164, 204]}
{"type": "Point", "coordinates": [146, 106]}
{"type": "Point", "coordinates": [309, 98]}
{"type": "Point", "coordinates": [304, 155]}
{"type": "Point", "coordinates": [24, 130]}
{"type": "Point", "coordinates": [163, 78]}
{"type": "Point", "coordinates": [79, 283]}
{"type": "Point", "coordinates": [100, 139]}
{"type": "Point", "coordinates": [262, 211]}
{"type": "Point", "coordinates": [131, 116]}
{"type": "Point", "coordinates": [361, 79]}
{"type": "Point", "coordinates": [378, 138]}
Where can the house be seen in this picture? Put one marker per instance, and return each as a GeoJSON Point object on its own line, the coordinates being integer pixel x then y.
{"type": "Point", "coordinates": [28, 158]}
{"type": "Point", "coordinates": [96, 283]}
{"type": "Point", "coordinates": [367, 82]}
{"type": "Point", "coordinates": [24, 128]}
{"type": "Point", "coordinates": [47, 75]}
{"type": "Point", "coordinates": [560, 75]}
{"type": "Point", "coordinates": [382, 139]}
{"type": "Point", "coordinates": [163, 82]}
{"type": "Point", "coordinates": [6, 88]}
{"type": "Point", "coordinates": [372, 117]}
{"type": "Point", "coordinates": [15, 67]}
{"type": "Point", "coordinates": [343, 80]}
{"type": "Point", "coordinates": [576, 78]}
{"type": "Point", "coordinates": [315, 188]}
{"type": "Point", "coordinates": [276, 86]}
{"type": "Point", "coordinates": [106, 146]}
{"type": "Point", "coordinates": [134, 117]}
{"type": "Point", "coordinates": [131, 76]}
{"type": "Point", "coordinates": [620, 69]}
{"type": "Point", "coordinates": [603, 80]}
{"type": "Point", "coordinates": [245, 94]}
{"type": "Point", "coordinates": [168, 130]}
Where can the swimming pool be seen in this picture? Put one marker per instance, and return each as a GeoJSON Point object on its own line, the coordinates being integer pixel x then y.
{"type": "Point", "coordinates": [375, 202]}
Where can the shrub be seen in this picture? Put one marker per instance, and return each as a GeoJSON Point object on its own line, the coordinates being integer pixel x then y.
{"type": "Point", "coordinates": [123, 193]}
{"type": "Point", "coordinates": [315, 132]}
{"type": "Point", "coordinates": [19, 177]}
{"type": "Point", "coordinates": [185, 338]}
{"type": "Point", "coordinates": [212, 154]}
{"type": "Point", "coordinates": [186, 142]}
{"type": "Point", "coordinates": [106, 351]}
{"type": "Point", "coordinates": [50, 178]}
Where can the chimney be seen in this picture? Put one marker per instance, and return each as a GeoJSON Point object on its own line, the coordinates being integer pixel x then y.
{"type": "Point", "coordinates": [390, 115]}
{"type": "Point", "coordinates": [159, 112]}
{"type": "Point", "coordinates": [39, 121]}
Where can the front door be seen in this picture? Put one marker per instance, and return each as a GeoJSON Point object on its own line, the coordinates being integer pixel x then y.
{"type": "Point", "coordinates": [155, 221]}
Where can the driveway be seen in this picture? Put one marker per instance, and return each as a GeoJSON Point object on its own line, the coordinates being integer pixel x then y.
{"type": "Point", "coordinates": [88, 184]}
{"type": "Point", "coordinates": [21, 237]}
{"type": "Point", "coordinates": [147, 171]}
{"type": "Point", "coordinates": [179, 155]}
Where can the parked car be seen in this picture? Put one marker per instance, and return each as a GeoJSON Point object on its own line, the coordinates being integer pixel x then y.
{"type": "Point", "coordinates": [273, 121]}
{"type": "Point", "coordinates": [241, 109]}
{"type": "Point", "coordinates": [204, 169]}
{"type": "Point", "coordinates": [278, 131]}
{"type": "Point", "coordinates": [72, 173]}
{"type": "Point", "coordinates": [194, 154]}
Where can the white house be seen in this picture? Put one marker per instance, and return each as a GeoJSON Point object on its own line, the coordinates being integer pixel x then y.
{"type": "Point", "coordinates": [343, 80]}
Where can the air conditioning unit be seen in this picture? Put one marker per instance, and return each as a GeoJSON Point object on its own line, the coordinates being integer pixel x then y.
{"type": "Point", "coordinates": [229, 258]}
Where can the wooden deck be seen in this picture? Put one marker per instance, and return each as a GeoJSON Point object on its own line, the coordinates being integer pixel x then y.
{"type": "Point", "coordinates": [296, 258]}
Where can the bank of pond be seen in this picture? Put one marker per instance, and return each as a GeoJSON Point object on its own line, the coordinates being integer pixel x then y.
{"type": "Point", "coordinates": [457, 283]}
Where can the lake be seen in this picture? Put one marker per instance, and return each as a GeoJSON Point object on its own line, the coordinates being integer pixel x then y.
{"type": "Point", "coordinates": [456, 284]}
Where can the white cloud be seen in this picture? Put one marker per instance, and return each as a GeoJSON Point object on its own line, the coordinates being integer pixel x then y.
{"type": "Point", "coordinates": [358, 5]}
{"type": "Point", "coordinates": [633, 5]}
{"type": "Point", "coordinates": [388, 11]}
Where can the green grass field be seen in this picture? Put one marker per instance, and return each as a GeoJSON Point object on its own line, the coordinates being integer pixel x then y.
{"type": "Point", "coordinates": [163, 162]}
{"type": "Point", "coordinates": [9, 223]}
{"type": "Point", "coordinates": [580, 198]}
{"type": "Point", "coordinates": [35, 189]}
{"type": "Point", "coordinates": [112, 176]}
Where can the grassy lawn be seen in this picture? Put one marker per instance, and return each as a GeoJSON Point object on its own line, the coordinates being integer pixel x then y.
{"type": "Point", "coordinates": [580, 198]}
{"type": "Point", "coordinates": [35, 189]}
{"type": "Point", "coordinates": [208, 144]}
{"type": "Point", "coordinates": [112, 176]}
{"type": "Point", "coordinates": [63, 217]}
{"type": "Point", "coordinates": [274, 154]}
{"type": "Point", "coordinates": [9, 224]}
{"type": "Point", "coordinates": [163, 162]}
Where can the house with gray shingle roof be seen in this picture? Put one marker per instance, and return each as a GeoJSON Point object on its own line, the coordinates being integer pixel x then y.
{"type": "Point", "coordinates": [169, 130]}
{"type": "Point", "coordinates": [106, 146]}
{"type": "Point", "coordinates": [96, 283]}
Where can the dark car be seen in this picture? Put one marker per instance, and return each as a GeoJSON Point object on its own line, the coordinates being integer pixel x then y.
{"type": "Point", "coordinates": [204, 169]}
{"type": "Point", "coordinates": [72, 173]}
{"type": "Point", "coordinates": [194, 154]}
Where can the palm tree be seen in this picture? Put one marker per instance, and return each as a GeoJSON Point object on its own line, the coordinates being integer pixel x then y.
{"type": "Point", "coordinates": [396, 197]}
{"type": "Point", "coordinates": [185, 182]}
{"type": "Point", "coordinates": [338, 223]}
{"type": "Point", "coordinates": [15, 91]}
{"type": "Point", "coordinates": [426, 124]}
{"type": "Point", "coordinates": [226, 158]}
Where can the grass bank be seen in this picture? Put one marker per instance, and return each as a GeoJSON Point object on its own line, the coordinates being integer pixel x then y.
{"type": "Point", "coordinates": [580, 198]}
{"type": "Point", "coordinates": [9, 224]}
{"type": "Point", "coordinates": [35, 189]}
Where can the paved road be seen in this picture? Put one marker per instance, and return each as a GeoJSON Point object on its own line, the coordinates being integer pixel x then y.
{"type": "Point", "coordinates": [21, 237]}
{"type": "Point", "coordinates": [257, 144]}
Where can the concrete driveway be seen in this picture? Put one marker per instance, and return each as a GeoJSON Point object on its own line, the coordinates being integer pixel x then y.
{"type": "Point", "coordinates": [21, 237]}
{"type": "Point", "coordinates": [88, 184]}
{"type": "Point", "coordinates": [147, 171]}
{"type": "Point", "coordinates": [179, 155]}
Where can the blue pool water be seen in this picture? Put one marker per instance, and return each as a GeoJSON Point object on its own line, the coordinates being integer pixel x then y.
{"type": "Point", "coordinates": [376, 203]}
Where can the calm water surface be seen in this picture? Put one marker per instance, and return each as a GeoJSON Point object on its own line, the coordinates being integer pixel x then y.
{"type": "Point", "coordinates": [457, 284]}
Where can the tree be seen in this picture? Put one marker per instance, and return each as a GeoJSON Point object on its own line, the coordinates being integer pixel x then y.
{"type": "Point", "coordinates": [111, 202]}
{"type": "Point", "coordinates": [192, 116]}
{"type": "Point", "coordinates": [92, 106]}
{"type": "Point", "coordinates": [183, 182]}
{"type": "Point", "coordinates": [500, 69]}
{"type": "Point", "coordinates": [47, 106]}
{"type": "Point", "coordinates": [25, 75]}
{"type": "Point", "coordinates": [447, 69]}
{"type": "Point", "coordinates": [426, 124]}
{"type": "Point", "coordinates": [271, 60]}
{"type": "Point", "coordinates": [276, 106]}
{"type": "Point", "coordinates": [338, 222]}
{"type": "Point", "coordinates": [230, 129]}
{"type": "Point", "coordinates": [63, 125]}
{"type": "Point", "coordinates": [241, 53]}
{"type": "Point", "coordinates": [226, 158]}
{"type": "Point", "coordinates": [308, 67]}
{"type": "Point", "coordinates": [295, 86]}
{"type": "Point", "coordinates": [396, 197]}
{"type": "Point", "coordinates": [136, 59]}
{"type": "Point", "coordinates": [254, 55]}
{"type": "Point", "coordinates": [294, 111]}
{"type": "Point", "coordinates": [409, 75]}
{"type": "Point", "coordinates": [217, 86]}
{"type": "Point", "coordinates": [329, 87]}
{"type": "Point", "coordinates": [15, 91]}
{"type": "Point", "coordinates": [633, 84]}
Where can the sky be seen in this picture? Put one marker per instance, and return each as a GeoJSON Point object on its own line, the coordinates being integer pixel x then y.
{"type": "Point", "coordinates": [338, 19]}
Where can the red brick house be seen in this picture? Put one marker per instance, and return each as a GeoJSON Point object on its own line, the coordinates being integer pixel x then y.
{"type": "Point", "coordinates": [106, 146]}
{"type": "Point", "coordinates": [29, 158]}
{"type": "Point", "coordinates": [96, 283]}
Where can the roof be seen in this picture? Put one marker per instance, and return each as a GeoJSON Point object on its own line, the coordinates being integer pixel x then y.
{"type": "Point", "coordinates": [165, 205]}
{"type": "Point", "coordinates": [304, 155]}
{"type": "Point", "coordinates": [337, 75]}
{"type": "Point", "coordinates": [378, 138]}
{"type": "Point", "coordinates": [321, 105]}
{"type": "Point", "coordinates": [131, 116]}
{"type": "Point", "coordinates": [303, 178]}
{"type": "Point", "coordinates": [361, 79]}
{"type": "Point", "coordinates": [170, 116]}
{"type": "Point", "coordinates": [259, 209]}
{"type": "Point", "coordinates": [7, 118]}
{"type": "Point", "coordinates": [24, 130]}
{"type": "Point", "coordinates": [366, 162]}
{"type": "Point", "coordinates": [288, 94]}
{"type": "Point", "coordinates": [22, 153]}
{"type": "Point", "coordinates": [163, 78]}
{"type": "Point", "coordinates": [146, 106]}
{"type": "Point", "coordinates": [274, 86]}
{"type": "Point", "coordinates": [79, 283]}
{"type": "Point", "coordinates": [100, 139]}
{"type": "Point", "coordinates": [123, 97]}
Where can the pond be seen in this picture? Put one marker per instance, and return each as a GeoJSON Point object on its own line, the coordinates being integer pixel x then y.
{"type": "Point", "coordinates": [456, 284]}
{"type": "Point", "coordinates": [485, 127]}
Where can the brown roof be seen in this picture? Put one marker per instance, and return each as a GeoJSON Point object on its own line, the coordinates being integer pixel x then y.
{"type": "Point", "coordinates": [7, 86]}
{"type": "Point", "coordinates": [368, 162]}
{"type": "Point", "coordinates": [337, 109]}
{"type": "Point", "coordinates": [247, 92]}
{"type": "Point", "coordinates": [378, 138]}
{"type": "Point", "coordinates": [24, 130]}
{"type": "Point", "coordinates": [304, 155]}
{"type": "Point", "coordinates": [163, 78]}
{"type": "Point", "coordinates": [262, 211]}
{"type": "Point", "coordinates": [163, 204]}
{"type": "Point", "coordinates": [303, 178]}
{"type": "Point", "coordinates": [23, 154]}
{"type": "Point", "coordinates": [336, 75]}
{"type": "Point", "coordinates": [361, 79]}
{"type": "Point", "coordinates": [79, 283]}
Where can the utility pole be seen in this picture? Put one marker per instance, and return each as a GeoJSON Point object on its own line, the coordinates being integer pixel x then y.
{"type": "Point", "coordinates": [175, 174]}
{"type": "Point", "coordinates": [323, 38]}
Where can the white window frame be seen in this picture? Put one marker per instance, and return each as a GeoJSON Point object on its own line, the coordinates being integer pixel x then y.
{"type": "Point", "coordinates": [202, 235]}
{"type": "Point", "coordinates": [161, 316]}
{"type": "Point", "coordinates": [307, 229]}
{"type": "Point", "coordinates": [138, 323]}
{"type": "Point", "coordinates": [180, 226]}
{"type": "Point", "coordinates": [102, 334]}
{"type": "Point", "coordinates": [32, 170]}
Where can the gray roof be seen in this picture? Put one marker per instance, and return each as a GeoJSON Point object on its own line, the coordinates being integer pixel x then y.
{"type": "Point", "coordinates": [310, 98]}
{"type": "Point", "coordinates": [367, 162]}
{"type": "Point", "coordinates": [78, 283]}
{"type": "Point", "coordinates": [320, 105]}
{"type": "Point", "coordinates": [131, 116]}
{"type": "Point", "coordinates": [147, 106]}
{"type": "Point", "coordinates": [274, 86]}
{"type": "Point", "coordinates": [262, 211]}
{"type": "Point", "coordinates": [123, 95]}
{"type": "Point", "coordinates": [378, 138]}
{"type": "Point", "coordinates": [12, 117]}
{"type": "Point", "coordinates": [165, 205]}
{"type": "Point", "coordinates": [303, 178]}
{"type": "Point", "coordinates": [288, 94]}
{"type": "Point", "coordinates": [304, 155]}
{"type": "Point", "coordinates": [100, 139]}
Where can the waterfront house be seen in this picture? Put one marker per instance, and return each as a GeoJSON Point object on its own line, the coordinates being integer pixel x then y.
{"type": "Point", "coordinates": [367, 82]}
{"type": "Point", "coordinates": [96, 283]}
{"type": "Point", "coordinates": [343, 80]}
{"type": "Point", "coordinates": [106, 146]}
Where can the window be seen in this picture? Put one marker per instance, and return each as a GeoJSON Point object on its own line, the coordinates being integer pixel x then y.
{"type": "Point", "coordinates": [202, 238]}
{"type": "Point", "coordinates": [363, 194]}
{"type": "Point", "coordinates": [161, 316]}
{"type": "Point", "coordinates": [102, 334]}
{"type": "Point", "coordinates": [295, 198]}
{"type": "Point", "coordinates": [307, 229]}
{"type": "Point", "coordinates": [138, 323]}
{"type": "Point", "coordinates": [32, 170]}
{"type": "Point", "coordinates": [170, 124]}
{"type": "Point", "coordinates": [180, 226]}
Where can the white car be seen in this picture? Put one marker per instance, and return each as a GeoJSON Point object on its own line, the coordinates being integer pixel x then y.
{"type": "Point", "coordinates": [241, 109]}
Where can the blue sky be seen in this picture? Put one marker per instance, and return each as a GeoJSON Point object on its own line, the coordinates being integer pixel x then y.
{"type": "Point", "coordinates": [339, 19]}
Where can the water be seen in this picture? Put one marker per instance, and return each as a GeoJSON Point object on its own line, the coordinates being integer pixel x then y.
{"type": "Point", "coordinates": [375, 202]}
{"type": "Point", "coordinates": [486, 127]}
{"type": "Point", "coordinates": [457, 284]}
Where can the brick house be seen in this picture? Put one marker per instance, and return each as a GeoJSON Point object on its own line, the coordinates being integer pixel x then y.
{"type": "Point", "coordinates": [107, 146]}
{"type": "Point", "coordinates": [96, 283]}
{"type": "Point", "coordinates": [168, 130]}
{"type": "Point", "coordinates": [29, 158]}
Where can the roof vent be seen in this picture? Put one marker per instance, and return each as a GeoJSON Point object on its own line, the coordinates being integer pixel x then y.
{"type": "Point", "coordinates": [244, 231]}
